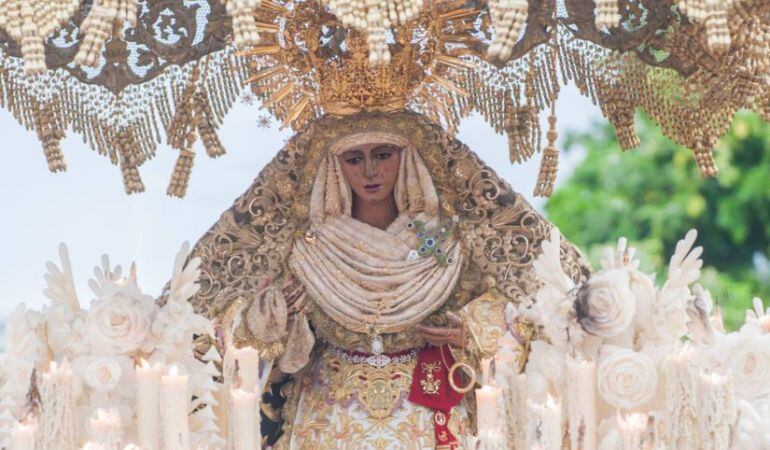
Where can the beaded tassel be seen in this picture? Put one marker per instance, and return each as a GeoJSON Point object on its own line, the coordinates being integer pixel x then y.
{"type": "Point", "coordinates": [704, 158]}
{"type": "Point", "coordinates": [549, 164]}
{"type": "Point", "coordinates": [105, 17]}
{"type": "Point", "coordinates": [30, 22]}
{"type": "Point", "coordinates": [180, 178]}
{"type": "Point", "coordinates": [130, 159]}
{"type": "Point", "coordinates": [522, 136]}
{"type": "Point", "coordinates": [183, 120]}
{"type": "Point", "coordinates": [764, 106]}
{"type": "Point", "coordinates": [50, 136]}
{"type": "Point", "coordinates": [206, 128]}
{"type": "Point", "coordinates": [508, 18]}
{"type": "Point", "coordinates": [53, 154]}
{"type": "Point", "coordinates": [245, 32]}
{"type": "Point", "coordinates": [374, 18]}
{"type": "Point", "coordinates": [606, 14]}
{"type": "Point", "coordinates": [621, 115]}
{"type": "Point", "coordinates": [717, 32]}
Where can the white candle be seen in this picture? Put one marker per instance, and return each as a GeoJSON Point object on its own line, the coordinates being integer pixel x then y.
{"type": "Point", "coordinates": [245, 420]}
{"type": "Point", "coordinates": [148, 405]}
{"type": "Point", "coordinates": [682, 393]}
{"type": "Point", "coordinates": [632, 429]}
{"type": "Point", "coordinates": [247, 359]}
{"type": "Point", "coordinates": [23, 436]}
{"type": "Point", "coordinates": [174, 406]}
{"type": "Point", "coordinates": [581, 402]}
{"type": "Point", "coordinates": [487, 399]}
{"type": "Point", "coordinates": [544, 428]}
{"type": "Point", "coordinates": [718, 410]}
{"type": "Point", "coordinates": [57, 395]}
{"type": "Point", "coordinates": [106, 429]}
{"type": "Point", "coordinates": [516, 401]}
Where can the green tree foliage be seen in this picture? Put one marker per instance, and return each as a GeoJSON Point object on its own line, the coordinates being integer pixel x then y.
{"type": "Point", "coordinates": [654, 194]}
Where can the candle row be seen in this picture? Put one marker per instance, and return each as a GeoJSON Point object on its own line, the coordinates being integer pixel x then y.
{"type": "Point", "coordinates": [700, 410]}
{"type": "Point", "coordinates": [163, 400]}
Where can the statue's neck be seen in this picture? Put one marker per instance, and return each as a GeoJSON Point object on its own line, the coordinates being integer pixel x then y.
{"type": "Point", "coordinates": [379, 214]}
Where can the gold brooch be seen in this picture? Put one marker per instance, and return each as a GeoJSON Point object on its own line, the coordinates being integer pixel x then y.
{"type": "Point", "coordinates": [430, 385]}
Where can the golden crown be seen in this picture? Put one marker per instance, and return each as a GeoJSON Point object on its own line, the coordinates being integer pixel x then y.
{"type": "Point", "coordinates": [309, 64]}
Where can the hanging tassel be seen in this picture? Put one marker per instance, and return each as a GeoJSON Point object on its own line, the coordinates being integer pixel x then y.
{"type": "Point", "coordinates": [764, 106]}
{"type": "Point", "coordinates": [627, 137]}
{"type": "Point", "coordinates": [180, 178]}
{"type": "Point", "coordinates": [183, 120]}
{"type": "Point", "coordinates": [606, 14]}
{"type": "Point", "coordinates": [132, 181]}
{"type": "Point", "coordinates": [621, 115]}
{"type": "Point", "coordinates": [50, 135]}
{"type": "Point", "coordinates": [211, 142]}
{"type": "Point", "coordinates": [54, 156]}
{"type": "Point", "coordinates": [522, 133]}
{"type": "Point", "coordinates": [717, 32]}
{"type": "Point", "coordinates": [508, 18]}
{"type": "Point", "coordinates": [704, 157]}
{"type": "Point", "coordinates": [206, 128]}
{"type": "Point", "coordinates": [130, 159]}
{"type": "Point", "coordinates": [549, 164]}
{"type": "Point", "coordinates": [619, 110]}
{"type": "Point", "coordinates": [105, 20]}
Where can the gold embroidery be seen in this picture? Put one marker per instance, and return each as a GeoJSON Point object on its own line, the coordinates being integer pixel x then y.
{"type": "Point", "coordinates": [430, 385]}
{"type": "Point", "coordinates": [331, 416]}
{"type": "Point", "coordinates": [440, 418]}
{"type": "Point", "coordinates": [378, 389]}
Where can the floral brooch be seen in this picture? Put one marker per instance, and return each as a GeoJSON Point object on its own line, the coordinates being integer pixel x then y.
{"type": "Point", "coordinates": [430, 242]}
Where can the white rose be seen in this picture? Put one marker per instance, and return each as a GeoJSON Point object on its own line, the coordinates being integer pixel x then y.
{"type": "Point", "coordinates": [625, 378]}
{"type": "Point", "coordinates": [119, 323]}
{"type": "Point", "coordinates": [102, 374]}
{"type": "Point", "coordinates": [605, 305]}
{"type": "Point", "coordinates": [747, 355]}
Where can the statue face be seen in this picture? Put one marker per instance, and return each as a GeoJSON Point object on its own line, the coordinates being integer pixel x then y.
{"type": "Point", "coordinates": [371, 170]}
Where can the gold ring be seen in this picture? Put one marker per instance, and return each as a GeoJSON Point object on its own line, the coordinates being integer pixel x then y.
{"type": "Point", "coordinates": [470, 385]}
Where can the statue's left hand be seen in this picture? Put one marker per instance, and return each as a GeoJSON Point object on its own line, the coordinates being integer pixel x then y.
{"type": "Point", "coordinates": [454, 334]}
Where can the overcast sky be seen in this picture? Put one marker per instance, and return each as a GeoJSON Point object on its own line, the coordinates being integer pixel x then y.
{"type": "Point", "coordinates": [86, 207]}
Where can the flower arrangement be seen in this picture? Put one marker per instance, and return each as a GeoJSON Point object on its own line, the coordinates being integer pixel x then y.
{"type": "Point", "coordinates": [77, 377]}
{"type": "Point", "coordinates": [633, 365]}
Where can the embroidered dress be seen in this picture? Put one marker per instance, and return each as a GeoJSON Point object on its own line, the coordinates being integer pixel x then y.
{"type": "Point", "coordinates": [368, 281]}
{"type": "Point", "coordinates": [351, 404]}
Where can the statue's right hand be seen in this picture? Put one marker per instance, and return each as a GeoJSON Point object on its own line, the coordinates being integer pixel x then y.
{"type": "Point", "coordinates": [293, 291]}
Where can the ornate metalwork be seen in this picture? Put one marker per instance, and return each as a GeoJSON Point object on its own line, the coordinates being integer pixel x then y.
{"type": "Point", "coordinates": [169, 32]}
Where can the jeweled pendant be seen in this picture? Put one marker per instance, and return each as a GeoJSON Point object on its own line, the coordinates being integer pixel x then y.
{"type": "Point", "coordinates": [376, 345]}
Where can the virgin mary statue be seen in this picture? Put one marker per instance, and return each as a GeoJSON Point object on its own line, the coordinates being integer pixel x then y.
{"type": "Point", "coordinates": [370, 257]}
